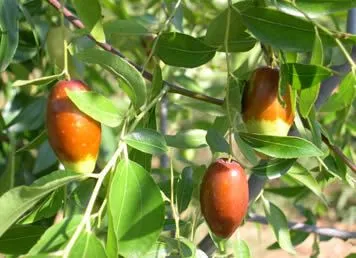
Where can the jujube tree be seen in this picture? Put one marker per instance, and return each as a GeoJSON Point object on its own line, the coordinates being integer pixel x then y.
{"type": "Point", "coordinates": [161, 128]}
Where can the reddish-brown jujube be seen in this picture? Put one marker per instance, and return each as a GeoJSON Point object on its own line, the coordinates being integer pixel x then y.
{"type": "Point", "coordinates": [224, 197]}
{"type": "Point", "coordinates": [74, 136]}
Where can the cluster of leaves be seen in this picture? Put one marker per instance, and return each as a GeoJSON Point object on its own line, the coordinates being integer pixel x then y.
{"type": "Point", "coordinates": [138, 207]}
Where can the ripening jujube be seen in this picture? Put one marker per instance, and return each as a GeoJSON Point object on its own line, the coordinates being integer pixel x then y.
{"type": "Point", "coordinates": [262, 111]}
{"type": "Point", "coordinates": [74, 136]}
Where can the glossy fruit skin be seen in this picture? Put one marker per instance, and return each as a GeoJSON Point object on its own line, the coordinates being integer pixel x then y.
{"type": "Point", "coordinates": [224, 197]}
{"type": "Point", "coordinates": [74, 136]}
{"type": "Point", "coordinates": [261, 109]}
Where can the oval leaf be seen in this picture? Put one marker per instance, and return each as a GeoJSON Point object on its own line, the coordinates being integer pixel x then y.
{"type": "Point", "coordinates": [317, 8]}
{"type": "Point", "coordinates": [182, 50]}
{"type": "Point", "coordinates": [147, 140]}
{"type": "Point", "coordinates": [302, 76]}
{"type": "Point", "coordinates": [38, 81]}
{"type": "Point", "coordinates": [56, 236]}
{"type": "Point", "coordinates": [9, 32]}
{"type": "Point", "coordinates": [273, 168]}
{"type": "Point", "coordinates": [89, 12]}
{"type": "Point", "coordinates": [134, 83]}
{"type": "Point", "coordinates": [287, 147]}
{"type": "Point", "coordinates": [240, 249]}
{"type": "Point", "coordinates": [282, 30]}
{"type": "Point", "coordinates": [19, 239]}
{"type": "Point", "coordinates": [302, 175]}
{"type": "Point", "coordinates": [184, 189]}
{"type": "Point", "coordinates": [96, 106]}
{"type": "Point", "coordinates": [238, 41]}
{"type": "Point", "coordinates": [278, 221]}
{"type": "Point", "coordinates": [125, 28]}
{"type": "Point", "coordinates": [87, 245]}
{"type": "Point", "coordinates": [344, 96]}
{"type": "Point", "coordinates": [189, 139]}
{"type": "Point", "coordinates": [20, 199]}
{"type": "Point", "coordinates": [137, 209]}
{"type": "Point", "coordinates": [217, 142]}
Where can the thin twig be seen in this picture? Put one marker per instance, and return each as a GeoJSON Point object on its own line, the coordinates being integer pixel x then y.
{"type": "Point", "coordinates": [339, 153]}
{"type": "Point", "coordinates": [330, 232]}
{"type": "Point", "coordinates": [173, 88]}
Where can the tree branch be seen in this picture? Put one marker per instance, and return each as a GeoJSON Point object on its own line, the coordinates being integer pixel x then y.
{"type": "Point", "coordinates": [207, 245]}
{"type": "Point", "coordinates": [330, 232]}
{"type": "Point", "coordinates": [173, 88]}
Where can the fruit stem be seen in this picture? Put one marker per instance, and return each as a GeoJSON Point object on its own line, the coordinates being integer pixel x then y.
{"type": "Point", "coordinates": [169, 19]}
{"type": "Point", "coordinates": [174, 208]}
{"type": "Point", "coordinates": [148, 108]}
{"type": "Point", "coordinates": [222, 246]}
{"type": "Point", "coordinates": [65, 69]}
{"type": "Point", "coordinates": [226, 43]}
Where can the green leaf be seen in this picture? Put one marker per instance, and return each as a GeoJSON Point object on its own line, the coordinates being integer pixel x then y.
{"type": "Point", "coordinates": [139, 157]}
{"type": "Point", "coordinates": [238, 41]}
{"type": "Point", "coordinates": [147, 140]}
{"type": "Point", "coordinates": [97, 106]}
{"type": "Point", "coordinates": [137, 209]}
{"type": "Point", "coordinates": [7, 178]}
{"type": "Point", "coordinates": [317, 57]}
{"type": "Point", "coordinates": [278, 221]}
{"type": "Point", "coordinates": [20, 199]}
{"type": "Point", "coordinates": [240, 249]}
{"type": "Point", "coordinates": [111, 239]}
{"type": "Point", "coordinates": [158, 250]}
{"type": "Point", "coordinates": [87, 245]}
{"type": "Point", "coordinates": [314, 128]}
{"type": "Point", "coordinates": [302, 175]}
{"type": "Point", "coordinates": [39, 139]}
{"type": "Point", "coordinates": [37, 82]}
{"type": "Point", "coordinates": [317, 7]}
{"type": "Point", "coordinates": [307, 99]}
{"type": "Point", "coordinates": [282, 30]}
{"type": "Point", "coordinates": [125, 28]}
{"type": "Point", "coordinates": [246, 150]}
{"type": "Point", "coordinates": [157, 82]}
{"type": "Point", "coordinates": [273, 168]}
{"type": "Point", "coordinates": [287, 147]}
{"type": "Point", "coordinates": [134, 85]}
{"type": "Point", "coordinates": [46, 209]}
{"type": "Point", "coordinates": [287, 192]}
{"type": "Point", "coordinates": [309, 96]}
{"type": "Point", "coordinates": [56, 236]}
{"type": "Point", "coordinates": [89, 12]}
{"type": "Point", "coordinates": [45, 158]}
{"type": "Point", "coordinates": [20, 238]}
{"type": "Point", "coordinates": [303, 76]}
{"type": "Point", "coordinates": [194, 138]}
{"type": "Point", "coordinates": [9, 32]}
{"type": "Point", "coordinates": [31, 116]}
{"type": "Point", "coordinates": [184, 189]}
{"type": "Point", "coordinates": [217, 142]}
{"type": "Point", "coordinates": [182, 50]}
{"type": "Point", "coordinates": [185, 247]}
{"type": "Point", "coordinates": [343, 97]}
{"type": "Point", "coordinates": [233, 103]}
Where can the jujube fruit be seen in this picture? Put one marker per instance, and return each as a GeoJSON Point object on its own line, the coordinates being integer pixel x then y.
{"type": "Point", "coordinates": [261, 110]}
{"type": "Point", "coordinates": [224, 197]}
{"type": "Point", "coordinates": [74, 136]}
